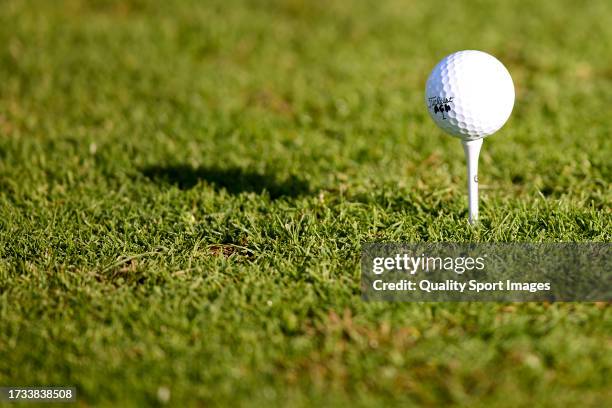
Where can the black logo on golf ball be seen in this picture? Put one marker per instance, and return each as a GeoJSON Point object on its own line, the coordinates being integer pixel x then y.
{"type": "Point", "coordinates": [440, 105]}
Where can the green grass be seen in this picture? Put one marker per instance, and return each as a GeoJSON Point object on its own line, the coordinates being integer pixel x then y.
{"type": "Point", "coordinates": [185, 188]}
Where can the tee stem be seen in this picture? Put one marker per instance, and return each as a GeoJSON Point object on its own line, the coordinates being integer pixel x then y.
{"type": "Point", "coordinates": [471, 148]}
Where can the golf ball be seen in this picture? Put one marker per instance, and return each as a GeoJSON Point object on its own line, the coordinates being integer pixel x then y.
{"type": "Point", "coordinates": [469, 94]}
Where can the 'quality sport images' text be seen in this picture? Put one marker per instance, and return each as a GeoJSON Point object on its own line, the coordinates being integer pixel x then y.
{"type": "Point", "coordinates": [450, 285]}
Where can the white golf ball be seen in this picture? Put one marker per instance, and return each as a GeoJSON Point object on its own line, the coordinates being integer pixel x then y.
{"type": "Point", "coordinates": [469, 94]}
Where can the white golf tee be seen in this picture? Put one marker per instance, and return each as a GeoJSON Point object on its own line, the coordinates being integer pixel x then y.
{"type": "Point", "coordinates": [471, 149]}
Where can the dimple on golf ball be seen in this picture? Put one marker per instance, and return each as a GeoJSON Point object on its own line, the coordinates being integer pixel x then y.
{"type": "Point", "coordinates": [469, 94]}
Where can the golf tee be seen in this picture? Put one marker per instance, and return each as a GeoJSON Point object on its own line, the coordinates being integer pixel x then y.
{"type": "Point", "coordinates": [471, 149]}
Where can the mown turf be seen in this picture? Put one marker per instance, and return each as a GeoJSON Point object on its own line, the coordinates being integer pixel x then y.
{"type": "Point", "coordinates": [185, 188]}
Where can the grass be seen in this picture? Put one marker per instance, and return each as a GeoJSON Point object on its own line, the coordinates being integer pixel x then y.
{"type": "Point", "coordinates": [185, 188]}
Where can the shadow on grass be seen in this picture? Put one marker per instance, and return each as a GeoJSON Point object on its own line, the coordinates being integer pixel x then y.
{"type": "Point", "coordinates": [233, 180]}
